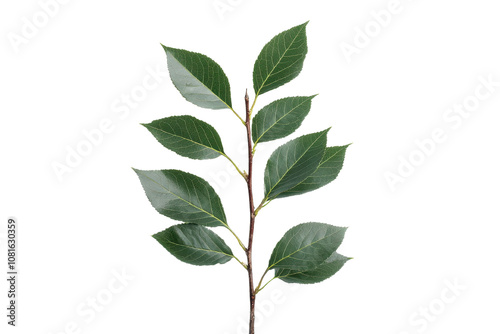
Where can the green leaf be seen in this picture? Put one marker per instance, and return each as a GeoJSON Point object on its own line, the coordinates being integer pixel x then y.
{"type": "Point", "coordinates": [280, 118]}
{"type": "Point", "coordinates": [328, 170]}
{"type": "Point", "coordinates": [325, 270]}
{"type": "Point", "coordinates": [281, 60]}
{"type": "Point", "coordinates": [194, 244]}
{"type": "Point", "coordinates": [306, 246]}
{"type": "Point", "coordinates": [183, 196]}
{"type": "Point", "coordinates": [293, 162]}
{"type": "Point", "coordinates": [198, 78]}
{"type": "Point", "coordinates": [187, 136]}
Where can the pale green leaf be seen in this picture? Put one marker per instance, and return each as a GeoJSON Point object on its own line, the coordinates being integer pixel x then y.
{"type": "Point", "coordinates": [183, 196]}
{"type": "Point", "coordinates": [198, 78]}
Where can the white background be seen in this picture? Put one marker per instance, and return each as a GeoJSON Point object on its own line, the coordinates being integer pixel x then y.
{"type": "Point", "coordinates": [438, 227]}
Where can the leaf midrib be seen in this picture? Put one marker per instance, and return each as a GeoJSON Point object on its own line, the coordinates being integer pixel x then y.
{"type": "Point", "coordinates": [333, 156]}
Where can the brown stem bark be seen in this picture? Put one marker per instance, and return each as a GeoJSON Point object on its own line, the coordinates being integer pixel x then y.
{"type": "Point", "coordinates": [252, 217]}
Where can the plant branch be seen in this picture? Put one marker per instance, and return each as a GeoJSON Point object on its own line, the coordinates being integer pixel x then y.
{"type": "Point", "coordinates": [252, 213]}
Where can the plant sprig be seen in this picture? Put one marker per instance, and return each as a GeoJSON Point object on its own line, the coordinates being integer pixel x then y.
{"type": "Point", "coordinates": [307, 253]}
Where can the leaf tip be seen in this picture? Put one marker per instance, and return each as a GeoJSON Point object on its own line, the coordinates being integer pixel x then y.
{"type": "Point", "coordinates": [326, 130]}
{"type": "Point", "coordinates": [164, 47]}
{"type": "Point", "coordinates": [137, 171]}
{"type": "Point", "coordinates": [168, 48]}
{"type": "Point", "coordinates": [146, 125]}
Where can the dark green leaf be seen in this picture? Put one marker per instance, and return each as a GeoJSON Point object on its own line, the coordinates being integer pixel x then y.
{"type": "Point", "coordinates": [199, 79]}
{"type": "Point", "coordinates": [280, 118]}
{"type": "Point", "coordinates": [183, 196]}
{"type": "Point", "coordinates": [325, 270]}
{"type": "Point", "coordinates": [306, 246]}
{"type": "Point", "coordinates": [194, 244]}
{"type": "Point", "coordinates": [293, 162]}
{"type": "Point", "coordinates": [281, 60]}
{"type": "Point", "coordinates": [328, 170]}
{"type": "Point", "coordinates": [187, 136]}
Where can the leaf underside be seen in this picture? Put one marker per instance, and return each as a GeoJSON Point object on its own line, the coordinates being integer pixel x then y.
{"type": "Point", "coordinates": [183, 196]}
{"type": "Point", "coordinates": [198, 78]}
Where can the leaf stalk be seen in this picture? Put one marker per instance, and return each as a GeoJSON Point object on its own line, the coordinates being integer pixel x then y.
{"type": "Point", "coordinates": [260, 289]}
{"type": "Point", "coordinates": [241, 119]}
{"type": "Point", "coordinates": [235, 166]}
